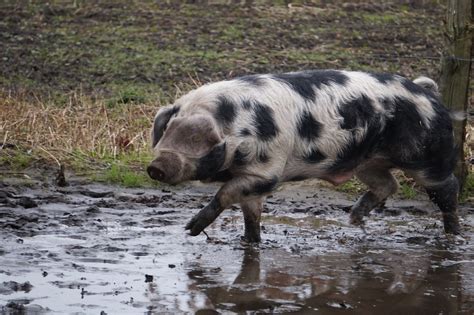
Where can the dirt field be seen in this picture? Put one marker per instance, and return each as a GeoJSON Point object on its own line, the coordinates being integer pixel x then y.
{"type": "Point", "coordinates": [152, 48]}
{"type": "Point", "coordinates": [90, 248]}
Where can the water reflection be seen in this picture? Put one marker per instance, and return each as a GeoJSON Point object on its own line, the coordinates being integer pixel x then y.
{"type": "Point", "coordinates": [370, 281]}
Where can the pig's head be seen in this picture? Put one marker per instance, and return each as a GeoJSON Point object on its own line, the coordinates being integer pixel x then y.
{"type": "Point", "coordinates": [185, 147]}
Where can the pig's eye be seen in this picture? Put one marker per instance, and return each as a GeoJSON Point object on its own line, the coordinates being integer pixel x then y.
{"type": "Point", "coordinates": [196, 138]}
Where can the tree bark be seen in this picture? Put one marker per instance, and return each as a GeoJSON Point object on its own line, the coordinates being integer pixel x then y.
{"type": "Point", "coordinates": [455, 72]}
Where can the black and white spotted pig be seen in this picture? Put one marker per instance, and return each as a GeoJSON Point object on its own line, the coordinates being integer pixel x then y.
{"type": "Point", "coordinates": [257, 131]}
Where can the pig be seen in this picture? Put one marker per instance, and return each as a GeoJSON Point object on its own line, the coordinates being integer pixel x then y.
{"type": "Point", "coordinates": [254, 132]}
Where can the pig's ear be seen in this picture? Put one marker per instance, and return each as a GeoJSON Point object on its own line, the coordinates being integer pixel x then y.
{"type": "Point", "coordinates": [161, 120]}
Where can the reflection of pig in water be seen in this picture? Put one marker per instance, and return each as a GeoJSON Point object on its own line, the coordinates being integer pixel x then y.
{"type": "Point", "coordinates": [257, 131]}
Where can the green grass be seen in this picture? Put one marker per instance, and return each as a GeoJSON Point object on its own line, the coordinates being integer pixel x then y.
{"type": "Point", "coordinates": [15, 159]}
{"type": "Point", "coordinates": [407, 191]}
{"type": "Point", "coordinates": [352, 186]}
{"type": "Point", "coordinates": [126, 169]}
{"type": "Point", "coordinates": [124, 176]}
{"type": "Point", "coordinates": [468, 189]}
{"type": "Point", "coordinates": [379, 18]}
{"type": "Point", "coordinates": [129, 95]}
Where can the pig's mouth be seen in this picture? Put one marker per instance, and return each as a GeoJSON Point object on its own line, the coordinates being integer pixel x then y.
{"type": "Point", "coordinates": [169, 167]}
{"type": "Point", "coordinates": [173, 167]}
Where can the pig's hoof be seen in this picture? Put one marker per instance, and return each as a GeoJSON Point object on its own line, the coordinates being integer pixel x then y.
{"type": "Point", "coordinates": [357, 220]}
{"type": "Point", "coordinates": [451, 224]}
{"type": "Point", "coordinates": [196, 225]}
{"type": "Point", "coordinates": [452, 229]}
{"type": "Point", "coordinates": [250, 240]}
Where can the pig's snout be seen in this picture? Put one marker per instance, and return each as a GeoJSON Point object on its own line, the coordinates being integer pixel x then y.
{"type": "Point", "coordinates": [155, 173]}
{"type": "Point", "coordinates": [166, 168]}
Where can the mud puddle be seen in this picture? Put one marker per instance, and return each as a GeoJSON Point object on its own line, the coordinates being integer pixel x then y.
{"type": "Point", "coordinates": [94, 249]}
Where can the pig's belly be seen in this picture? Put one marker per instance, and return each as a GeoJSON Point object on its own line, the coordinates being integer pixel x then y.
{"type": "Point", "coordinates": [295, 171]}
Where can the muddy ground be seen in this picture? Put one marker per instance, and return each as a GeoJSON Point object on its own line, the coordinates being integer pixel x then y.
{"type": "Point", "coordinates": [96, 249]}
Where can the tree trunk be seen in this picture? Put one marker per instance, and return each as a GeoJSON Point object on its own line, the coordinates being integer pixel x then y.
{"type": "Point", "coordinates": [455, 72]}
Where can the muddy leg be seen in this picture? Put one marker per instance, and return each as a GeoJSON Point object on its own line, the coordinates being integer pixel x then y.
{"type": "Point", "coordinates": [381, 184]}
{"type": "Point", "coordinates": [237, 190]}
{"type": "Point", "coordinates": [445, 196]}
{"type": "Point", "coordinates": [252, 210]}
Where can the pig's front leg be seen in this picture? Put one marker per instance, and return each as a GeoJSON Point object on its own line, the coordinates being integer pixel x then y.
{"type": "Point", "coordinates": [252, 210]}
{"type": "Point", "coordinates": [239, 189]}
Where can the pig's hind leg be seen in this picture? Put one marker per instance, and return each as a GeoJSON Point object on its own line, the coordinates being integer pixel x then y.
{"type": "Point", "coordinates": [381, 184]}
{"type": "Point", "coordinates": [445, 195]}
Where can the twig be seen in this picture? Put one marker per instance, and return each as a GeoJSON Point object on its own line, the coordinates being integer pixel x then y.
{"type": "Point", "coordinates": [51, 155]}
{"type": "Point", "coordinates": [208, 238]}
{"type": "Point", "coordinates": [4, 140]}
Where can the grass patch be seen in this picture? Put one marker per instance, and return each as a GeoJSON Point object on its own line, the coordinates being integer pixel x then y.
{"type": "Point", "coordinates": [379, 18]}
{"type": "Point", "coordinates": [352, 186]}
{"type": "Point", "coordinates": [15, 159]}
{"type": "Point", "coordinates": [407, 191]}
{"type": "Point", "coordinates": [125, 176]}
{"type": "Point", "coordinates": [468, 189]}
{"type": "Point", "coordinates": [129, 95]}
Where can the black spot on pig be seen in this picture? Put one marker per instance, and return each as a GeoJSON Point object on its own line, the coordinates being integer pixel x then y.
{"type": "Point", "coordinates": [308, 127]}
{"type": "Point", "coordinates": [264, 122]}
{"type": "Point", "coordinates": [415, 88]}
{"type": "Point", "coordinates": [357, 150]}
{"type": "Point", "coordinates": [247, 104]}
{"type": "Point", "coordinates": [383, 78]}
{"type": "Point", "coordinates": [387, 103]}
{"type": "Point", "coordinates": [210, 164]}
{"type": "Point", "coordinates": [263, 157]}
{"type": "Point", "coordinates": [356, 112]}
{"type": "Point", "coordinates": [404, 130]}
{"type": "Point", "coordinates": [244, 132]}
{"type": "Point", "coordinates": [226, 111]}
{"type": "Point", "coordinates": [326, 77]}
{"type": "Point", "coordinates": [297, 178]}
{"type": "Point", "coordinates": [240, 157]}
{"type": "Point", "coordinates": [417, 147]}
{"type": "Point", "coordinates": [300, 84]}
{"type": "Point", "coordinates": [223, 176]}
{"type": "Point", "coordinates": [261, 187]}
{"type": "Point", "coordinates": [314, 156]}
{"type": "Point", "coordinates": [304, 83]}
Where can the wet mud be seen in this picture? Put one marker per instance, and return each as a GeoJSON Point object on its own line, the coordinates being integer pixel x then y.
{"type": "Point", "coordinates": [95, 249]}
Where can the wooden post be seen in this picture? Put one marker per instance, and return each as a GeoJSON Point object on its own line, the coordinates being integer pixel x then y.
{"type": "Point", "coordinates": [455, 72]}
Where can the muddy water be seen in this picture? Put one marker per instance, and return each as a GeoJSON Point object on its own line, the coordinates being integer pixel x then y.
{"type": "Point", "coordinates": [96, 249]}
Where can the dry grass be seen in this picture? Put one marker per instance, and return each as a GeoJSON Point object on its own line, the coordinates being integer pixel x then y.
{"type": "Point", "coordinates": [84, 128]}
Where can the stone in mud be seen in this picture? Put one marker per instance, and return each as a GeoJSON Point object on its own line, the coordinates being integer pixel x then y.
{"type": "Point", "coordinates": [93, 209]}
{"type": "Point", "coordinates": [27, 202]}
{"type": "Point", "coordinates": [10, 287]}
{"type": "Point", "coordinates": [96, 194]}
{"type": "Point", "coordinates": [148, 278]}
